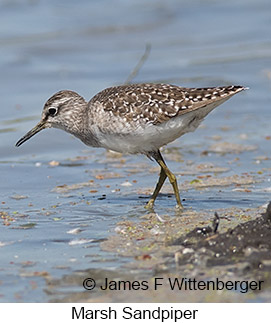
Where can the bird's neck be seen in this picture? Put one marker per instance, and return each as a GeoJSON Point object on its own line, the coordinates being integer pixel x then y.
{"type": "Point", "coordinates": [82, 128]}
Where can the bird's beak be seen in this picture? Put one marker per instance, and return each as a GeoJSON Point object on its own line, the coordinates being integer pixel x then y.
{"type": "Point", "coordinates": [40, 126]}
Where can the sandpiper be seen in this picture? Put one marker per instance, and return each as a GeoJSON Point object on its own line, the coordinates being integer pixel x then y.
{"type": "Point", "coordinates": [133, 119]}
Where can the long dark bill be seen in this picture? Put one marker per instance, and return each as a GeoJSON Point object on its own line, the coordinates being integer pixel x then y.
{"type": "Point", "coordinates": [40, 126]}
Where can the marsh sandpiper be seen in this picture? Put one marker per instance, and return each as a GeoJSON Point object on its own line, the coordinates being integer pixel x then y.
{"type": "Point", "coordinates": [133, 119]}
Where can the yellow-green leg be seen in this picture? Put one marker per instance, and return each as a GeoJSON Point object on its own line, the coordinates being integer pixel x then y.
{"type": "Point", "coordinates": [159, 184]}
{"type": "Point", "coordinates": [165, 172]}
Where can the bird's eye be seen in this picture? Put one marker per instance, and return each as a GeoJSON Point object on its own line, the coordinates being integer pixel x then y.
{"type": "Point", "coordinates": [52, 111]}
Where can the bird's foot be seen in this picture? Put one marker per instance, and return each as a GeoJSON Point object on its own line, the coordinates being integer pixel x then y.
{"type": "Point", "coordinates": [179, 206]}
{"type": "Point", "coordinates": [150, 204]}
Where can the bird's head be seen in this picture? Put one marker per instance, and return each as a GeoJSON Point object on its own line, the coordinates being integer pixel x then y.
{"type": "Point", "coordinates": [63, 110]}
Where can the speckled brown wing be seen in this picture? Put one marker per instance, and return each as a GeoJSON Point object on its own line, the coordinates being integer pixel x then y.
{"type": "Point", "coordinates": [157, 103]}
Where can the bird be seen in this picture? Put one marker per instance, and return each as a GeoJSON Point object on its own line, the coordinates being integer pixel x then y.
{"type": "Point", "coordinates": [134, 119]}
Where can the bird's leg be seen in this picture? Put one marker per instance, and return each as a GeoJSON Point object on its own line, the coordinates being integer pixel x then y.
{"type": "Point", "coordinates": [165, 172]}
{"type": "Point", "coordinates": [159, 184]}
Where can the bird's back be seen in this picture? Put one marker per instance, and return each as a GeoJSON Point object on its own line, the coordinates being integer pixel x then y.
{"type": "Point", "coordinates": [157, 103]}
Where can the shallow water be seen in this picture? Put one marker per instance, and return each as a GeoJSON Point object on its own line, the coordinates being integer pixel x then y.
{"type": "Point", "coordinates": [86, 46]}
